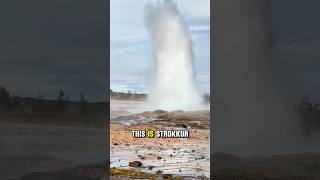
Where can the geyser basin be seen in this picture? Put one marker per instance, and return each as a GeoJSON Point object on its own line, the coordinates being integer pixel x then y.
{"type": "Point", "coordinates": [174, 86]}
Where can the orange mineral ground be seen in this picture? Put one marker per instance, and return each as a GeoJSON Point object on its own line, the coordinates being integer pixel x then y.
{"type": "Point", "coordinates": [187, 157]}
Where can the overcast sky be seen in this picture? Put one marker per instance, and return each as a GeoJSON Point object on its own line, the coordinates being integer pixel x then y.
{"type": "Point", "coordinates": [53, 45]}
{"type": "Point", "coordinates": [295, 31]}
{"type": "Point", "coordinates": [131, 58]}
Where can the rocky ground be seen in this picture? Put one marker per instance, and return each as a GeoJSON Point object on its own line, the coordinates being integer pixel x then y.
{"type": "Point", "coordinates": [278, 167]}
{"type": "Point", "coordinates": [167, 158]}
{"type": "Point", "coordinates": [227, 167]}
{"type": "Point", "coordinates": [38, 148]}
{"type": "Point", "coordinates": [50, 152]}
{"type": "Point", "coordinates": [93, 171]}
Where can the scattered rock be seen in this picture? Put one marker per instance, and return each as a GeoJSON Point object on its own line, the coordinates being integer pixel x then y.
{"type": "Point", "coordinates": [141, 157]}
{"type": "Point", "coordinates": [197, 169]}
{"type": "Point", "coordinates": [184, 126]}
{"type": "Point", "coordinates": [135, 164]}
{"type": "Point", "coordinates": [167, 176]}
{"type": "Point", "coordinates": [159, 172]}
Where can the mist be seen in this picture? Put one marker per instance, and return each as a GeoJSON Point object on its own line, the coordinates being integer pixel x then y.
{"type": "Point", "coordinates": [174, 86]}
{"type": "Point", "coordinates": [250, 116]}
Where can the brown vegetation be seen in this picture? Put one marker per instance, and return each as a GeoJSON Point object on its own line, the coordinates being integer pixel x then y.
{"type": "Point", "coordinates": [61, 110]}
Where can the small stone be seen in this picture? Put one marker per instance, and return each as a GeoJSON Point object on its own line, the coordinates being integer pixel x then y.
{"type": "Point", "coordinates": [141, 157]}
{"type": "Point", "coordinates": [135, 164]}
{"type": "Point", "coordinates": [167, 176]}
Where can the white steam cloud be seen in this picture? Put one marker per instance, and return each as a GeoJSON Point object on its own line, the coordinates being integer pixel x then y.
{"type": "Point", "coordinates": [174, 86]}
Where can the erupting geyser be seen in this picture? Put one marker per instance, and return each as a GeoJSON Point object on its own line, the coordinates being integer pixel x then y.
{"type": "Point", "coordinates": [174, 86]}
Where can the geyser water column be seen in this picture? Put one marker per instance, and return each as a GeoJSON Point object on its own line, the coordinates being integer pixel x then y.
{"type": "Point", "coordinates": [174, 86]}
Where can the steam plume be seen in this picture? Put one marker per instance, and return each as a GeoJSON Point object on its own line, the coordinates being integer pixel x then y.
{"type": "Point", "coordinates": [174, 85]}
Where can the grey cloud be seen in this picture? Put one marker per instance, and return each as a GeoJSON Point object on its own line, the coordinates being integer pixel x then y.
{"type": "Point", "coordinates": [295, 32]}
{"type": "Point", "coordinates": [53, 45]}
